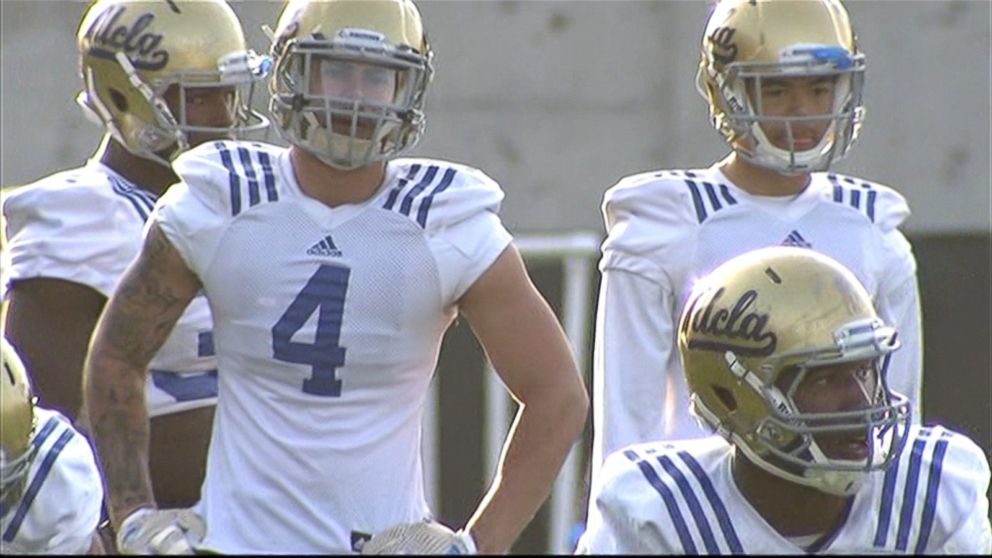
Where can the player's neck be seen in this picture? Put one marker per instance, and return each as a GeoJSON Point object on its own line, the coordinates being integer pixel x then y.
{"type": "Point", "coordinates": [331, 186]}
{"type": "Point", "coordinates": [791, 509]}
{"type": "Point", "coordinates": [144, 173]}
{"type": "Point", "coordinates": [761, 181]}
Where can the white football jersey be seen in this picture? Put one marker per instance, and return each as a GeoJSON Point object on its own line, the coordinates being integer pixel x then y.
{"type": "Point", "coordinates": [328, 323]}
{"type": "Point", "coordinates": [680, 498]}
{"type": "Point", "coordinates": [60, 507]}
{"type": "Point", "coordinates": [669, 228]}
{"type": "Point", "coordinates": [85, 225]}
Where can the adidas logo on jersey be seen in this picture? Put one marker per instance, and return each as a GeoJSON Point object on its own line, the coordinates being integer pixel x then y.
{"type": "Point", "coordinates": [325, 247]}
{"type": "Point", "coordinates": [796, 239]}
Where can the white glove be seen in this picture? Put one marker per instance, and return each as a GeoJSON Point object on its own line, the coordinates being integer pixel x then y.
{"type": "Point", "coordinates": [420, 538]}
{"type": "Point", "coordinates": [151, 531]}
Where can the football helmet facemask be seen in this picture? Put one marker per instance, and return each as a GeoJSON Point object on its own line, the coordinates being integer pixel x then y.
{"type": "Point", "coordinates": [133, 51]}
{"type": "Point", "coordinates": [350, 79]}
{"type": "Point", "coordinates": [778, 313]}
{"type": "Point", "coordinates": [748, 42]}
{"type": "Point", "coordinates": [17, 424]}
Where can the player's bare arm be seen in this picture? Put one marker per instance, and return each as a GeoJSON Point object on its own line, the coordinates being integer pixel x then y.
{"type": "Point", "coordinates": [152, 295]}
{"type": "Point", "coordinates": [530, 352]}
{"type": "Point", "coordinates": [42, 309]}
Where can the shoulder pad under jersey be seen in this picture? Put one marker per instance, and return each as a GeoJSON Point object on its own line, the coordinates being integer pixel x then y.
{"type": "Point", "coordinates": [78, 225]}
{"type": "Point", "coordinates": [938, 480]}
{"type": "Point", "coordinates": [647, 211]}
{"type": "Point", "coordinates": [880, 204]}
{"type": "Point", "coordinates": [436, 194]}
{"type": "Point", "coordinates": [230, 177]}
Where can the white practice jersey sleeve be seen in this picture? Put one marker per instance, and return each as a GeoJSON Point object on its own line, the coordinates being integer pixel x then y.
{"type": "Point", "coordinates": [59, 509]}
{"type": "Point", "coordinates": [328, 326]}
{"type": "Point", "coordinates": [667, 229]}
{"type": "Point", "coordinates": [681, 498]}
{"type": "Point", "coordinates": [86, 225]}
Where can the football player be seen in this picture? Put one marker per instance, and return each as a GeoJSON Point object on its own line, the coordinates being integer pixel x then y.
{"type": "Point", "coordinates": [783, 80]}
{"type": "Point", "coordinates": [159, 77]}
{"type": "Point", "coordinates": [783, 353]}
{"type": "Point", "coordinates": [50, 487]}
{"type": "Point", "coordinates": [333, 268]}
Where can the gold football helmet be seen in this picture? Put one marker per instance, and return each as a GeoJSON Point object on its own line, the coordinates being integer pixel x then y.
{"type": "Point", "coordinates": [350, 78]}
{"type": "Point", "coordinates": [132, 51]}
{"type": "Point", "coordinates": [767, 315]}
{"type": "Point", "coordinates": [16, 425]}
{"type": "Point", "coordinates": [747, 41]}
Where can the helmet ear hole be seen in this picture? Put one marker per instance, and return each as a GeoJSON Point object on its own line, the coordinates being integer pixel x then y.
{"type": "Point", "coordinates": [119, 100]}
{"type": "Point", "coordinates": [726, 397]}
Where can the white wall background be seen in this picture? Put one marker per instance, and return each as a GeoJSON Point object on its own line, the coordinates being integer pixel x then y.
{"type": "Point", "coordinates": [559, 99]}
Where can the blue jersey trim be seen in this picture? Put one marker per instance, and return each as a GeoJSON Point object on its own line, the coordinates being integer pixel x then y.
{"type": "Point", "coordinates": [270, 178]}
{"type": "Point", "coordinates": [666, 495]}
{"type": "Point", "coordinates": [254, 194]}
{"type": "Point", "coordinates": [407, 204]}
{"type": "Point", "coordinates": [697, 200]}
{"type": "Point", "coordinates": [702, 525]}
{"type": "Point", "coordinates": [725, 192]}
{"type": "Point", "coordinates": [885, 509]}
{"type": "Point", "coordinates": [425, 206]}
{"type": "Point", "coordinates": [711, 194]}
{"type": "Point", "coordinates": [141, 201]}
{"type": "Point", "coordinates": [909, 496]}
{"type": "Point", "coordinates": [234, 179]}
{"type": "Point", "coordinates": [723, 518]}
{"type": "Point", "coordinates": [39, 478]}
{"type": "Point", "coordinates": [394, 194]}
{"type": "Point", "coordinates": [933, 485]}
{"type": "Point", "coordinates": [186, 387]}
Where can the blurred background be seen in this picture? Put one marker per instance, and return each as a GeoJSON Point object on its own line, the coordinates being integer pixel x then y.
{"type": "Point", "coordinates": [557, 100]}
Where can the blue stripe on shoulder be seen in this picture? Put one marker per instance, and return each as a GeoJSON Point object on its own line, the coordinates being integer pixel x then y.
{"type": "Point", "coordinates": [141, 201]}
{"type": "Point", "coordinates": [933, 485]}
{"type": "Point", "coordinates": [45, 432]}
{"type": "Point", "coordinates": [697, 200]}
{"type": "Point", "coordinates": [725, 192]}
{"type": "Point", "coordinates": [254, 195]}
{"type": "Point", "coordinates": [726, 525]}
{"type": "Point", "coordinates": [909, 496]}
{"type": "Point", "coordinates": [669, 499]}
{"type": "Point", "coordinates": [394, 194]}
{"type": "Point", "coordinates": [425, 206]}
{"type": "Point", "coordinates": [885, 508]}
{"type": "Point", "coordinates": [714, 194]}
{"type": "Point", "coordinates": [850, 192]}
{"type": "Point", "coordinates": [232, 174]}
{"type": "Point", "coordinates": [256, 169]}
{"type": "Point", "coordinates": [270, 177]}
{"type": "Point", "coordinates": [702, 524]}
{"type": "Point", "coordinates": [407, 204]}
{"type": "Point", "coordinates": [39, 478]}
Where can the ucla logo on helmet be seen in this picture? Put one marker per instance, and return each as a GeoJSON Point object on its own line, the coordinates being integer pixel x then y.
{"type": "Point", "coordinates": [735, 328]}
{"type": "Point", "coordinates": [140, 46]}
{"type": "Point", "coordinates": [724, 48]}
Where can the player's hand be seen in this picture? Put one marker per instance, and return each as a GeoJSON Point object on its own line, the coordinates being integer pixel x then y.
{"type": "Point", "coordinates": [420, 538]}
{"type": "Point", "coordinates": [151, 531]}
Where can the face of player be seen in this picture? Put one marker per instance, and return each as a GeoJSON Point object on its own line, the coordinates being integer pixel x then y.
{"type": "Point", "coordinates": [795, 97]}
{"type": "Point", "coordinates": [348, 83]}
{"type": "Point", "coordinates": [849, 386]}
{"type": "Point", "coordinates": [214, 107]}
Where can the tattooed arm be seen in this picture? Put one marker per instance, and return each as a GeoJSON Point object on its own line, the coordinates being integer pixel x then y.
{"type": "Point", "coordinates": [150, 298]}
